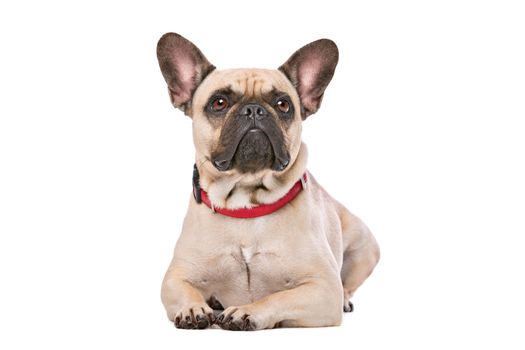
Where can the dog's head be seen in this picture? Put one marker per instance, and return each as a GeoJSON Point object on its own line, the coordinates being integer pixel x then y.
{"type": "Point", "coordinates": [246, 120]}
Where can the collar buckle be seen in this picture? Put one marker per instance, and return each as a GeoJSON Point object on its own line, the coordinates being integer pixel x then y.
{"type": "Point", "coordinates": [196, 185]}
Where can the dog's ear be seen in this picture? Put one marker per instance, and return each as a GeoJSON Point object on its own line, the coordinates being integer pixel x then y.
{"type": "Point", "coordinates": [183, 66]}
{"type": "Point", "coordinates": [310, 69]}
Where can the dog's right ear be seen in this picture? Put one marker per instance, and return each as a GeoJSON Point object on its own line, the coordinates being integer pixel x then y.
{"type": "Point", "coordinates": [183, 66]}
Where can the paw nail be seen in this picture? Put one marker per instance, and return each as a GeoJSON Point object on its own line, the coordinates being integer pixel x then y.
{"type": "Point", "coordinates": [349, 307]}
{"type": "Point", "coordinates": [246, 324]}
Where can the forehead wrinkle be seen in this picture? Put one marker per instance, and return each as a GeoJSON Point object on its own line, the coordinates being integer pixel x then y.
{"type": "Point", "coordinates": [249, 86]}
{"type": "Point", "coordinates": [240, 86]}
{"type": "Point", "coordinates": [254, 83]}
{"type": "Point", "coordinates": [257, 86]}
{"type": "Point", "coordinates": [253, 91]}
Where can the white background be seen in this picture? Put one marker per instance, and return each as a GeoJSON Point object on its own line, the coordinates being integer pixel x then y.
{"type": "Point", "coordinates": [421, 134]}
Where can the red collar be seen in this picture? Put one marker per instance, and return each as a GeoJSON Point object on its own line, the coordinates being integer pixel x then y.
{"type": "Point", "coordinates": [247, 213]}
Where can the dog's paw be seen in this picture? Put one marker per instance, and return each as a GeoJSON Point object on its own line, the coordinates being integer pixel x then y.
{"type": "Point", "coordinates": [348, 306]}
{"type": "Point", "coordinates": [194, 317]}
{"type": "Point", "coordinates": [242, 318]}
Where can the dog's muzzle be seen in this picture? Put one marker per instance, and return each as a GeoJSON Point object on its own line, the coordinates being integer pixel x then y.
{"type": "Point", "coordinates": [253, 142]}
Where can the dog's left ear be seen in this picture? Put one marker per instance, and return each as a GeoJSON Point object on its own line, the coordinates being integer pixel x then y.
{"type": "Point", "coordinates": [310, 69]}
{"type": "Point", "coordinates": [183, 66]}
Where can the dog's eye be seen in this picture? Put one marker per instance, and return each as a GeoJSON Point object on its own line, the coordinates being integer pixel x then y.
{"type": "Point", "coordinates": [219, 104]}
{"type": "Point", "coordinates": [283, 106]}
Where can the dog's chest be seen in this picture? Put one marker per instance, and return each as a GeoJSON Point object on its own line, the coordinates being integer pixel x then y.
{"type": "Point", "coordinates": [259, 266]}
{"type": "Point", "coordinates": [245, 273]}
{"type": "Point", "coordinates": [247, 261]}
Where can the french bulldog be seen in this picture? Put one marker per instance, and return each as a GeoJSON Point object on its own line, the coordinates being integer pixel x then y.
{"type": "Point", "coordinates": [263, 245]}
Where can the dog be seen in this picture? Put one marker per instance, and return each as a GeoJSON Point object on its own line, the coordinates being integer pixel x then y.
{"type": "Point", "coordinates": [263, 245]}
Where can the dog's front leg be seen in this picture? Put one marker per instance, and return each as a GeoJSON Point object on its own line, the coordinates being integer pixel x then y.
{"type": "Point", "coordinates": [184, 303]}
{"type": "Point", "coordinates": [314, 303]}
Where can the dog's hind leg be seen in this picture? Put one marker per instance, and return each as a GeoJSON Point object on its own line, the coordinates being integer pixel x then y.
{"type": "Point", "coordinates": [361, 254]}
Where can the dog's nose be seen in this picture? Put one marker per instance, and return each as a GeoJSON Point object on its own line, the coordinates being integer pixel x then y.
{"type": "Point", "coordinates": [253, 111]}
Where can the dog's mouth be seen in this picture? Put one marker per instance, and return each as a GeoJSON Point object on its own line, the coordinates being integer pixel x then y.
{"type": "Point", "coordinates": [253, 149]}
